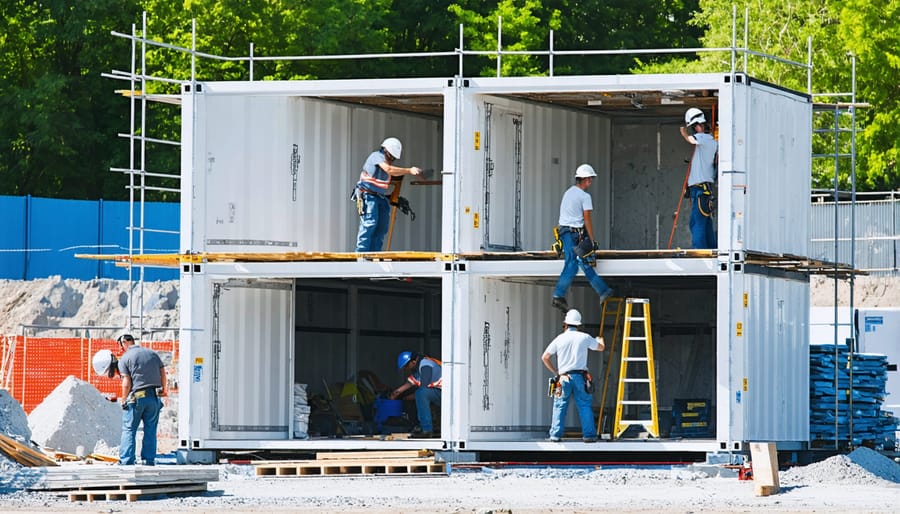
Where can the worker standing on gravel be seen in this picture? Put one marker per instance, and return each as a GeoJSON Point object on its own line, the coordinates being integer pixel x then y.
{"type": "Point", "coordinates": [572, 378]}
{"type": "Point", "coordinates": [143, 385]}
{"type": "Point", "coordinates": [371, 194]}
{"type": "Point", "coordinates": [424, 374]}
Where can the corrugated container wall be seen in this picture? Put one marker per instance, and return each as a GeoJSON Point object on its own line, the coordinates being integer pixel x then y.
{"type": "Point", "coordinates": [768, 182]}
{"type": "Point", "coordinates": [876, 244]}
{"type": "Point", "coordinates": [274, 173]}
{"type": "Point", "coordinates": [775, 354]}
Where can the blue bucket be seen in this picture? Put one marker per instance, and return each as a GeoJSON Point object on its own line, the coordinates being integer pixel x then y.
{"type": "Point", "coordinates": [385, 409]}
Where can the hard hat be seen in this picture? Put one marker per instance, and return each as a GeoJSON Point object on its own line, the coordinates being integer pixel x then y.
{"type": "Point", "coordinates": [693, 116]}
{"type": "Point", "coordinates": [103, 362]}
{"type": "Point", "coordinates": [585, 171]}
{"type": "Point", "coordinates": [393, 146]}
{"type": "Point", "coordinates": [403, 359]}
{"type": "Point", "coordinates": [573, 317]}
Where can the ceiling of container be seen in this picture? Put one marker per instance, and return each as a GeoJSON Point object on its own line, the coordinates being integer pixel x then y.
{"type": "Point", "coordinates": [651, 104]}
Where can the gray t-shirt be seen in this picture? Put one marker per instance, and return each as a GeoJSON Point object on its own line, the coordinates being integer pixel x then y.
{"type": "Point", "coordinates": [142, 365]}
{"type": "Point", "coordinates": [703, 163]}
{"type": "Point", "coordinates": [571, 210]}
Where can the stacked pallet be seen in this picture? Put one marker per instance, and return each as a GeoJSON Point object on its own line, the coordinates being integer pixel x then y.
{"type": "Point", "coordinates": [131, 483]}
{"type": "Point", "coordinates": [412, 462]}
{"type": "Point", "coordinates": [830, 377]}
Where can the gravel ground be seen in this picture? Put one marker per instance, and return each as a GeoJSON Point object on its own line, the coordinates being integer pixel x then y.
{"type": "Point", "coordinates": [515, 491]}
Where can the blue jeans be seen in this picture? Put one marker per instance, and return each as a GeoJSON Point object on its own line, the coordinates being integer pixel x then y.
{"type": "Point", "coordinates": [143, 409]}
{"type": "Point", "coordinates": [702, 234]}
{"type": "Point", "coordinates": [573, 387]}
{"type": "Point", "coordinates": [425, 396]}
{"type": "Point", "coordinates": [373, 224]}
{"type": "Point", "coordinates": [570, 268]}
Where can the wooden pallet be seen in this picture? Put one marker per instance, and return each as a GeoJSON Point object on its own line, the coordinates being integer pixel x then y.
{"type": "Point", "coordinates": [402, 466]}
{"type": "Point", "coordinates": [23, 454]}
{"type": "Point", "coordinates": [132, 493]}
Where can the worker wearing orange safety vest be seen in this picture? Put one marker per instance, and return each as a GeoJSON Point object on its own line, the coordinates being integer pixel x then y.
{"type": "Point", "coordinates": [424, 374]}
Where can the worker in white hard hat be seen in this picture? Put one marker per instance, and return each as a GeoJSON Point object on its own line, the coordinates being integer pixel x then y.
{"type": "Point", "coordinates": [143, 385]}
{"type": "Point", "coordinates": [572, 379]}
{"type": "Point", "coordinates": [105, 363]}
{"type": "Point", "coordinates": [372, 192]}
{"type": "Point", "coordinates": [702, 177]}
{"type": "Point", "coordinates": [576, 235]}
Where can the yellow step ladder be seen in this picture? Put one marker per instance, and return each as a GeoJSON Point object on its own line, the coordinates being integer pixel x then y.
{"type": "Point", "coordinates": [613, 311]}
{"type": "Point", "coordinates": [643, 322]}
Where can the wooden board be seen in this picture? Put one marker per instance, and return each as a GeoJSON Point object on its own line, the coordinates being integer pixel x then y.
{"type": "Point", "coordinates": [765, 468]}
{"type": "Point", "coordinates": [388, 454]}
{"type": "Point", "coordinates": [22, 454]}
{"type": "Point", "coordinates": [73, 477]}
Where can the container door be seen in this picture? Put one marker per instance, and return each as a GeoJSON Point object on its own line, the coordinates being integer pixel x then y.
{"type": "Point", "coordinates": [252, 332]}
{"type": "Point", "coordinates": [502, 179]}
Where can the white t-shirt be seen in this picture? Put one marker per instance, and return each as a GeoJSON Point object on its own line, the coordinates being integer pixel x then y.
{"type": "Point", "coordinates": [571, 210]}
{"type": "Point", "coordinates": [571, 349]}
{"type": "Point", "coordinates": [703, 163]}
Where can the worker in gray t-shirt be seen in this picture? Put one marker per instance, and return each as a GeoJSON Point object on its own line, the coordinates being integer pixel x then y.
{"type": "Point", "coordinates": [143, 383]}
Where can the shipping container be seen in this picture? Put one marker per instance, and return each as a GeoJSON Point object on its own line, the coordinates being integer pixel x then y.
{"type": "Point", "coordinates": [267, 171]}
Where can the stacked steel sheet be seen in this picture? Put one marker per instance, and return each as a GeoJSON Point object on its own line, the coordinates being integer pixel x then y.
{"type": "Point", "coordinates": [831, 372]}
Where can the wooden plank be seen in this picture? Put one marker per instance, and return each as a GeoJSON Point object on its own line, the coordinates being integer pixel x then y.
{"type": "Point", "coordinates": [764, 459]}
{"type": "Point", "coordinates": [73, 477]}
{"type": "Point", "coordinates": [388, 454]}
{"type": "Point", "coordinates": [134, 494]}
{"type": "Point", "coordinates": [103, 458]}
{"type": "Point", "coordinates": [23, 454]}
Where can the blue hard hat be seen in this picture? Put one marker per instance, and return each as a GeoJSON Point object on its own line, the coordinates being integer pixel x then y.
{"type": "Point", "coordinates": [403, 359]}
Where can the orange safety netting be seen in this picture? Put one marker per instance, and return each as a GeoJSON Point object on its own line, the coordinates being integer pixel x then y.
{"type": "Point", "coordinates": [32, 367]}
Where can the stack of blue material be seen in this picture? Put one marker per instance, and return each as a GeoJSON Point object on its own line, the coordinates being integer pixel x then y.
{"type": "Point", "coordinates": [871, 425]}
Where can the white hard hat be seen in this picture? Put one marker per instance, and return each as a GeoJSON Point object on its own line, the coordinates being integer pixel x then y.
{"type": "Point", "coordinates": [573, 317]}
{"type": "Point", "coordinates": [393, 146]}
{"type": "Point", "coordinates": [102, 362]}
{"type": "Point", "coordinates": [585, 171]}
{"type": "Point", "coordinates": [693, 116]}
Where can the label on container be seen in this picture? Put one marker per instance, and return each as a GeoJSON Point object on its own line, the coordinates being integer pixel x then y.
{"type": "Point", "coordinates": [197, 373]}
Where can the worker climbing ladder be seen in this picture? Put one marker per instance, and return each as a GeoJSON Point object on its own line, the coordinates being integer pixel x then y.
{"type": "Point", "coordinates": [629, 383]}
{"type": "Point", "coordinates": [612, 311]}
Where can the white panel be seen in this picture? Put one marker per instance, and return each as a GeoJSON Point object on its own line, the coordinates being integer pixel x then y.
{"type": "Point", "coordinates": [252, 370]}
{"type": "Point", "coordinates": [778, 145]}
{"type": "Point", "coordinates": [274, 174]}
{"type": "Point", "coordinates": [776, 349]}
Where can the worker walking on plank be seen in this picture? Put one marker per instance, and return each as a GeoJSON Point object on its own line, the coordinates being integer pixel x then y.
{"type": "Point", "coordinates": [572, 379]}
{"type": "Point", "coordinates": [701, 178]}
{"type": "Point", "coordinates": [424, 374]}
{"type": "Point", "coordinates": [143, 383]}
{"type": "Point", "coordinates": [576, 233]}
{"type": "Point", "coordinates": [371, 194]}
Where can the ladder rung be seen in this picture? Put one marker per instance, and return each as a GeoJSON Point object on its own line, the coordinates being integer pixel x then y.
{"type": "Point", "coordinates": [644, 380]}
{"type": "Point", "coordinates": [636, 359]}
{"type": "Point", "coordinates": [636, 402]}
{"type": "Point", "coordinates": [635, 421]}
{"type": "Point", "coordinates": [636, 338]}
{"type": "Point", "coordinates": [634, 318]}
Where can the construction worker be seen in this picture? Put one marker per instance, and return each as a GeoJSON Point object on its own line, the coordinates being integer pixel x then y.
{"type": "Point", "coordinates": [143, 385]}
{"type": "Point", "coordinates": [371, 194]}
{"type": "Point", "coordinates": [576, 233]}
{"type": "Point", "coordinates": [701, 178]}
{"type": "Point", "coordinates": [572, 378]}
{"type": "Point", "coordinates": [424, 374]}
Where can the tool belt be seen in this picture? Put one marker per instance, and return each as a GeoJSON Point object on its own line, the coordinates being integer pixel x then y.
{"type": "Point", "coordinates": [588, 379]}
{"type": "Point", "coordinates": [584, 247]}
{"type": "Point", "coordinates": [143, 393]}
{"type": "Point", "coordinates": [705, 200]}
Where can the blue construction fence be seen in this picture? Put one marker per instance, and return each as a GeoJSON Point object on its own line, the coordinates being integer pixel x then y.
{"type": "Point", "coordinates": [41, 237]}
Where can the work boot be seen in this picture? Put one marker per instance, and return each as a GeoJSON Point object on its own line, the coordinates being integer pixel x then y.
{"type": "Point", "coordinates": [560, 303]}
{"type": "Point", "coordinates": [606, 294]}
{"type": "Point", "coordinates": [590, 439]}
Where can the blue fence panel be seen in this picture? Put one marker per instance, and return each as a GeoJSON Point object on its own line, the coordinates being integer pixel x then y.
{"type": "Point", "coordinates": [57, 230]}
{"type": "Point", "coordinates": [42, 236]}
{"type": "Point", "coordinates": [12, 237]}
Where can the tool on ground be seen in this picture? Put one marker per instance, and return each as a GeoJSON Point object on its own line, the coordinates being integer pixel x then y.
{"type": "Point", "coordinates": [614, 307]}
{"type": "Point", "coordinates": [337, 415]}
{"type": "Point", "coordinates": [626, 381]}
